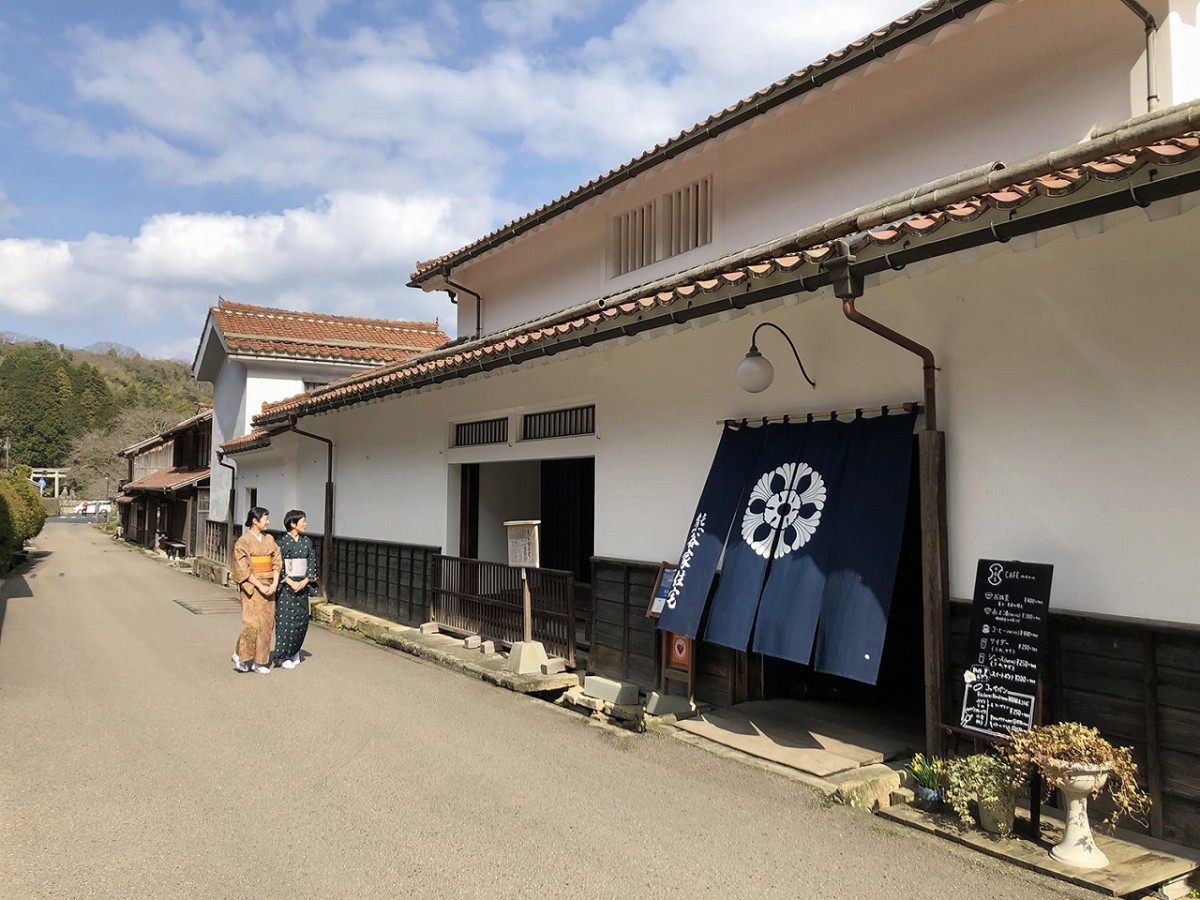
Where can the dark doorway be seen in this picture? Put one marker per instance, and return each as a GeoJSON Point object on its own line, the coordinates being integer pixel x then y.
{"type": "Point", "coordinates": [901, 684]}
{"type": "Point", "coordinates": [468, 531]}
{"type": "Point", "coordinates": [569, 515]}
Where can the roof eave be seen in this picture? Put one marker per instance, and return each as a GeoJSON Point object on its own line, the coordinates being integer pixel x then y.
{"type": "Point", "coordinates": [818, 75]}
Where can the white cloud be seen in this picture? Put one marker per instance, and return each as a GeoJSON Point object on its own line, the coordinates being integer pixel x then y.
{"type": "Point", "coordinates": [404, 132]}
{"type": "Point", "coordinates": [351, 254]}
{"type": "Point", "coordinates": [392, 108]}
{"type": "Point", "coordinates": [533, 20]}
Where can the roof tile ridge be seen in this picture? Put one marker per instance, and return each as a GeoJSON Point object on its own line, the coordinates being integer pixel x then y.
{"type": "Point", "coordinates": [232, 307]}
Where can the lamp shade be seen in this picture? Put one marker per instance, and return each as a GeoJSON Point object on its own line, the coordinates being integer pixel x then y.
{"type": "Point", "coordinates": [755, 373]}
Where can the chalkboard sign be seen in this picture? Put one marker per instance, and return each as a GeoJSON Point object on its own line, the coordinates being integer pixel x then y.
{"type": "Point", "coordinates": [1005, 645]}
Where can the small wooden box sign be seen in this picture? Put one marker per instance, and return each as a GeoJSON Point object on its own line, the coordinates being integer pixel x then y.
{"type": "Point", "coordinates": [523, 552]}
{"type": "Point", "coordinates": [1005, 645]}
{"type": "Point", "coordinates": [662, 589]}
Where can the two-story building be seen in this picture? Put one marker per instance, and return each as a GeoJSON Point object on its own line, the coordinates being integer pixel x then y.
{"type": "Point", "coordinates": [254, 355]}
{"type": "Point", "coordinates": [164, 502]}
{"type": "Point", "coordinates": [981, 215]}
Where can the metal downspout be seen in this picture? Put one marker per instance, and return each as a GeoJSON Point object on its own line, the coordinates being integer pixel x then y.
{"type": "Point", "coordinates": [847, 287]}
{"type": "Point", "coordinates": [327, 537]}
{"type": "Point", "coordinates": [935, 566]}
{"type": "Point", "coordinates": [1151, 52]}
{"type": "Point", "coordinates": [232, 506]}
{"type": "Point", "coordinates": [478, 303]}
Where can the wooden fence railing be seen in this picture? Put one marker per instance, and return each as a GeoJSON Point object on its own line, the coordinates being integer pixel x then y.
{"type": "Point", "coordinates": [471, 596]}
{"type": "Point", "coordinates": [216, 542]}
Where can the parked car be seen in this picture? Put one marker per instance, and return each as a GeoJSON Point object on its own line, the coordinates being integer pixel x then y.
{"type": "Point", "coordinates": [92, 508]}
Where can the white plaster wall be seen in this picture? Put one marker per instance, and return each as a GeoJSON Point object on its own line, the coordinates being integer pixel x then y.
{"type": "Point", "coordinates": [267, 387]}
{"type": "Point", "coordinates": [507, 491]}
{"type": "Point", "coordinates": [1179, 52]}
{"type": "Point", "coordinates": [229, 421]}
{"type": "Point", "coordinates": [1005, 88]}
{"type": "Point", "coordinates": [1067, 384]}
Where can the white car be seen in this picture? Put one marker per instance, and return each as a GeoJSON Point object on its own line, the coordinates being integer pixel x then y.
{"type": "Point", "coordinates": [92, 507]}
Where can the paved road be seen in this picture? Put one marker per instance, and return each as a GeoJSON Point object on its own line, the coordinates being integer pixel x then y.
{"type": "Point", "coordinates": [134, 763]}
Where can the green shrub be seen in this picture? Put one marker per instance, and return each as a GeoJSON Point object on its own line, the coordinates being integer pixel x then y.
{"type": "Point", "coordinates": [22, 513]}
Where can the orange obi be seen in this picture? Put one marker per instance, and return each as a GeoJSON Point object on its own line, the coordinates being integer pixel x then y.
{"type": "Point", "coordinates": [262, 568]}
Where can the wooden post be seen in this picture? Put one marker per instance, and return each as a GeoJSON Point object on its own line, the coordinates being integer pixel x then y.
{"type": "Point", "coordinates": [935, 578]}
{"type": "Point", "coordinates": [527, 601]}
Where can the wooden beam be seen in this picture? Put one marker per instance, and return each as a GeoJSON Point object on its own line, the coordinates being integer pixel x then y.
{"type": "Point", "coordinates": [935, 579]}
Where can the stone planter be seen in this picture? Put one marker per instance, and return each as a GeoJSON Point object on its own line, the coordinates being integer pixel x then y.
{"type": "Point", "coordinates": [998, 816]}
{"type": "Point", "coordinates": [1077, 847]}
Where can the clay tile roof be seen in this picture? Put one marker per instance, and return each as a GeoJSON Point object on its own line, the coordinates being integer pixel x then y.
{"type": "Point", "coordinates": [167, 480]}
{"type": "Point", "coordinates": [921, 21]}
{"type": "Point", "coordinates": [264, 331]}
{"type": "Point", "coordinates": [204, 415]}
{"type": "Point", "coordinates": [259, 437]}
{"type": "Point", "coordinates": [596, 319]}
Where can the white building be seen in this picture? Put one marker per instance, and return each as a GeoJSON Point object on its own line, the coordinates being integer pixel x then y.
{"type": "Point", "coordinates": [1013, 202]}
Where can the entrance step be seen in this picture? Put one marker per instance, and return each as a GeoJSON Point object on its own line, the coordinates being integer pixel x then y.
{"type": "Point", "coordinates": [819, 739]}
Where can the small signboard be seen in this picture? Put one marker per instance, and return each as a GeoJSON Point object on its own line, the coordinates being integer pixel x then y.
{"type": "Point", "coordinates": [662, 588]}
{"type": "Point", "coordinates": [523, 543]}
{"type": "Point", "coordinates": [678, 663]}
{"type": "Point", "coordinates": [1005, 645]}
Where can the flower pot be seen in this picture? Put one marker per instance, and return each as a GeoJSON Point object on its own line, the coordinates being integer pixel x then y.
{"type": "Point", "coordinates": [928, 794]}
{"type": "Point", "coordinates": [997, 816]}
{"type": "Point", "coordinates": [1077, 848]}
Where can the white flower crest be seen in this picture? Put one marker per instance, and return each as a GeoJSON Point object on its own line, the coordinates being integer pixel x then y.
{"type": "Point", "coordinates": [788, 500]}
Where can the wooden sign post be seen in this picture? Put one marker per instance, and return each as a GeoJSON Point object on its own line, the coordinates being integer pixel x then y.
{"type": "Point", "coordinates": [527, 655]}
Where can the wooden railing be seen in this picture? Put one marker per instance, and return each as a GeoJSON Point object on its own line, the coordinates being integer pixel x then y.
{"type": "Point", "coordinates": [216, 542]}
{"type": "Point", "coordinates": [384, 579]}
{"type": "Point", "coordinates": [471, 596]}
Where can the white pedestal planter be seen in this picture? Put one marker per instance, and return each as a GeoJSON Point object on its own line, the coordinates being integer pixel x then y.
{"type": "Point", "coordinates": [1077, 848]}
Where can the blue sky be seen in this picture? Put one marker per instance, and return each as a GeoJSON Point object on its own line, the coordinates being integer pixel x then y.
{"type": "Point", "coordinates": [304, 154]}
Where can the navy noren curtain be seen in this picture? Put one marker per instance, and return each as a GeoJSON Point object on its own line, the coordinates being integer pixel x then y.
{"type": "Point", "coordinates": [721, 498]}
{"type": "Point", "coordinates": [754, 536]}
{"type": "Point", "coordinates": [791, 599]}
{"type": "Point", "coordinates": [866, 536]}
{"type": "Point", "coordinates": [817, 511]}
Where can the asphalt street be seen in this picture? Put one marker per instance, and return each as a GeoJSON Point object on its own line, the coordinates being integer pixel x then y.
{"type": "Point", "coordinates": [135, 763]}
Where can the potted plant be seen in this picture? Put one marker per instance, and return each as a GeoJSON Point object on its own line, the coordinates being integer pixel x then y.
{"type": "Point", "coordinates": [1078, 761]}
{"type": "Point", "coordinates": [927, 774]}
{"type": "Point", "coordinates": [990, 782]}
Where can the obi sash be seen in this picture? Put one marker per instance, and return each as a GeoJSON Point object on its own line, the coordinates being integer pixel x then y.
{"type": "Point", "coordinates": [262, 568]}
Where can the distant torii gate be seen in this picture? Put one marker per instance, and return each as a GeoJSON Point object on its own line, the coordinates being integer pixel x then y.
{"type": "Point", "coordinates": [55, 475]}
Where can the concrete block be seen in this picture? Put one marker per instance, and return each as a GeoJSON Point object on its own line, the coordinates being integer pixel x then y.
{"type": "Point", "coordinates": [472, 642]}
{"type": "Point", "coordinates": [554, 666]}
{"type": "Point", "coordinates": [487, 647]}
{"type": "Point", "coordinates": [669, 705]}
{"type": "Point", "coordinates": [586, 702]}
{"type": "Point", "coordinates": [868, 787]}
{"type": "Point", "coordinates": [526, 658]}
{"type": "Point", "coordinates": [430, 628]}
{"type": "Point", "coordinates": [617, 692]}
{"type": "Point", "coordinates": [902, 797]}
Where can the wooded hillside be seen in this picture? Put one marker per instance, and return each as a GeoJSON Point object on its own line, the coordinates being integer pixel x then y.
{"type": "Point", "coordinates": [61, 407]}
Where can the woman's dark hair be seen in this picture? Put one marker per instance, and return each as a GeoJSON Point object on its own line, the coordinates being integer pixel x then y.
{"type": "Point", "coordinates": [255, 514]}
{"type": "Point", "coordinates": [293, 516]}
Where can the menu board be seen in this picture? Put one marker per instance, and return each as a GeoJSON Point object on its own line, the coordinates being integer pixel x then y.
{"type": "Point", "coordinates": [1009, 613]}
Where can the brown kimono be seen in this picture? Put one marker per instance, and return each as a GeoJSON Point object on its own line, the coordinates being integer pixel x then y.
{"type": "Point", "coordinates": [256, 560]}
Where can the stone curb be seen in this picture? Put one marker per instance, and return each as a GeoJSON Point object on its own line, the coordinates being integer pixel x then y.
{"type": "Point", "coordinates": [441, 649]}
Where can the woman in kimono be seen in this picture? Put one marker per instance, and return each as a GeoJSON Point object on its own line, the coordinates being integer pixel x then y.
{"type": "Point", "coordinates": [299, 583]}
{"type": "Point", "coordinates": [256, 568]}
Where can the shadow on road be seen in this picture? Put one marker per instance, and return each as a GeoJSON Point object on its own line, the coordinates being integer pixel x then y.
{"type": "Point", "coordinates": [16, 582]}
